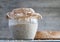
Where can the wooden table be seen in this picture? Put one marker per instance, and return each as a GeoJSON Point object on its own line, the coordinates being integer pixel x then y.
{"type": "Point", "coordinates": [41, 36]}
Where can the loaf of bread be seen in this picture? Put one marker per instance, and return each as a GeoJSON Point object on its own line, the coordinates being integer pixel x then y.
{"type": "Point", "coordinates": [48, 34]}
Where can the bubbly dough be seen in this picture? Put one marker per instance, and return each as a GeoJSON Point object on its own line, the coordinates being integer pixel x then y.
{"type": "Point", "coordinates": [23, 13]}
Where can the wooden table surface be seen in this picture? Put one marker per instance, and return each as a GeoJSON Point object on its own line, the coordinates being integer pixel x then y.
{"type": "Point", "coordinates": [42, 36]}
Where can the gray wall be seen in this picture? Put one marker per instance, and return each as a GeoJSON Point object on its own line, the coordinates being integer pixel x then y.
{"type": "Point", "coordinates": [49, 9]}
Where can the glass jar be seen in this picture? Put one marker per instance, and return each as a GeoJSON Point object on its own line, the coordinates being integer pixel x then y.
{"type": "Point", "coordinates": [23, 23]}
{"type": "Point", "coordinates": [23, 29]}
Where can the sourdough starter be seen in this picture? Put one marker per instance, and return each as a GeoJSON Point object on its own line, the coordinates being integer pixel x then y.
{"type": "Point", "coordinates": [23, 30]}
{"type": "Point", "coordinates": [23, 23]}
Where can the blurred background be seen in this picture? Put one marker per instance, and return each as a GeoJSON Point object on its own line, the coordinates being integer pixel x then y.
{"type": "Point", "coordinates": [49, 9]}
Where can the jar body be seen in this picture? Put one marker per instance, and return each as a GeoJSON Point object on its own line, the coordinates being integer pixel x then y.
{"type": "Point", "coordinates": [23, 29]}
